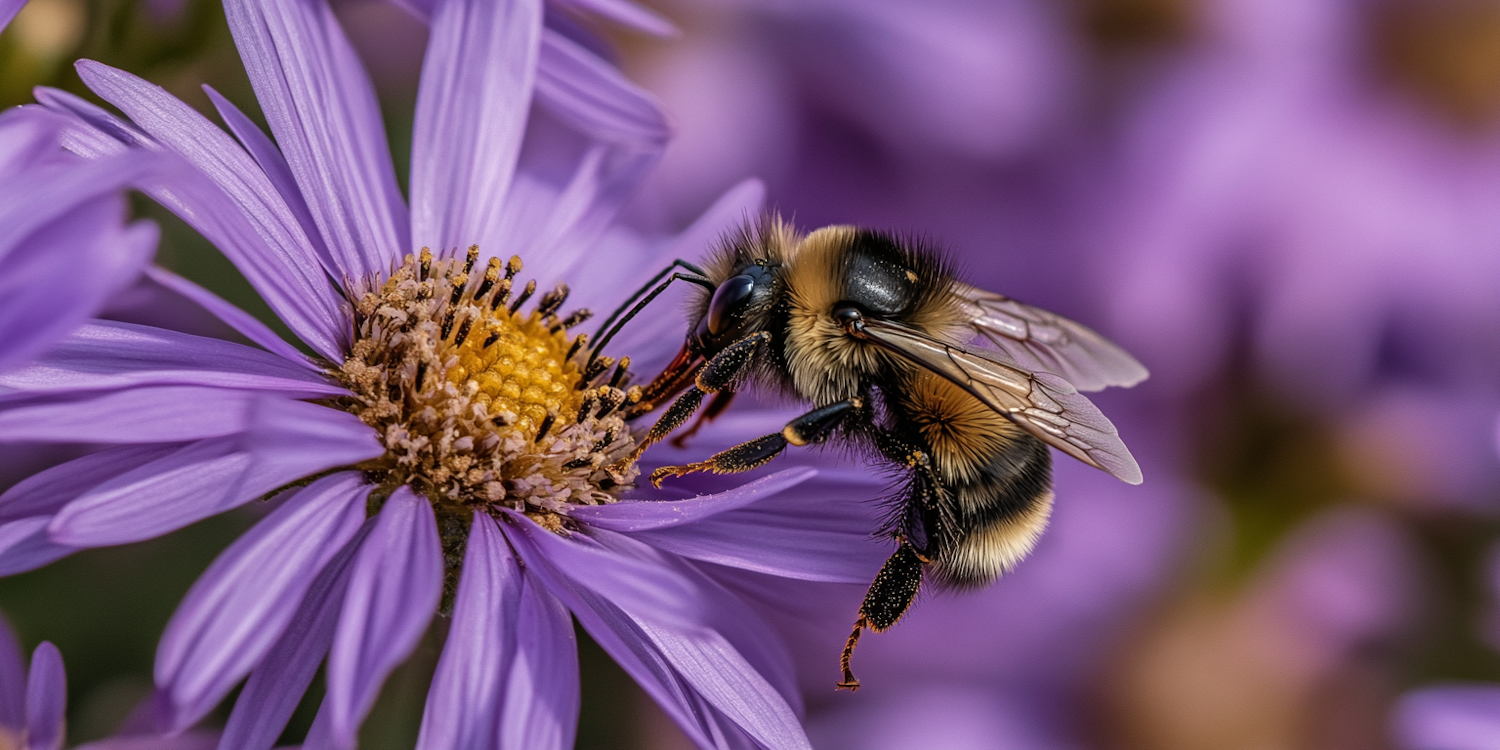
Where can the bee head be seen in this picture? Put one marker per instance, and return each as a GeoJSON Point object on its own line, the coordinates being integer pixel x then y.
{"type": "Point", "coordinates": [730, 314]}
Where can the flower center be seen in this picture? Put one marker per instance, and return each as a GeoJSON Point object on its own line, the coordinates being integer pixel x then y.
{"type": "Point", "coordinates": [479, 402]}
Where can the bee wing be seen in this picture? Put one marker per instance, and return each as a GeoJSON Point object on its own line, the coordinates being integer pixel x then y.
{"type": "Point", "coordinates": [1041, 403]}
{"type": "Point", "coordinates": [1043, 341]}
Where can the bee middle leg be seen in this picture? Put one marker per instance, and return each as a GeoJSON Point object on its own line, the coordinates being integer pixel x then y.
{"type": "Point", "coordinates": [811, 427]}
{"type": "Point", "coordinates": [718, 374]}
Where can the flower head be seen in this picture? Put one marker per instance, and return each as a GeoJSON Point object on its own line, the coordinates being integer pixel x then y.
{"type": "Point", "coordinates": [444, 429]}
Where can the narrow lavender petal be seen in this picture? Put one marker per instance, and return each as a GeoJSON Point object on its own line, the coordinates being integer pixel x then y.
{"type": "Point", "coordinates": [12, 682]}
{"type": "Point", "coordinates": [241, 321]}
{"type": "Point", "coordinates": [243, 602]}
{"type": "Point", "coordinates": [593, 96]}
{"type": "Point", "coordinates": [542, 695]}
{"type": "Point", "coordinates": [222, 161]}
{"type": "Point", "coordinates": [25, 545]}
{"type": "Point", "coordinates": [8, 10]}
{"type": "Point", "coordinates": [643, 515]}
{"type": "Point", "coordinates": [670, 599]}
{"type": "Point", "coordinates": [472, 108]}
{"type": "Point", "coordinates": [393, 593]}
{"type": "Point", "coordinates": [805, 537]}
{"type": "Point", "coordinates": [97, 132]}
{"type": "Point", "coordinates": [269, 157]}
{"type": "Point", "coordinates": [46, 699]}
{"type": "Point", "coordinates": [620, 637]}
{"type": "Point", "coordinates": [1448, 717]}
{"type": "Point", "coordinates": [625, 12]}
{"type": "Point", "coordinates": [46, 293]}
{"type": "Point", "coordinates": [46, 491]}
{"type": "Point", "coordinates": [285, 441]}
{"type": "Point", "coordinates": [463, 703]}
{"type": "Point", "coordinates": [134, 415]}
{"type": "Point", "coordinates": [109, 354]}
{"type": "Point", "coordinates": [322, 109]}
{"type": "Point", "coordinates": [731, 619]}
{"type": "Point", "coordinates": [276, 686]}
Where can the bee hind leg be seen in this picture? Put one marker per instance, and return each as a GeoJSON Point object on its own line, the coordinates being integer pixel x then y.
{"type": "Point", "coordinates": [811, 427]}
{"type": "Point", "coordinates": [890, 595]}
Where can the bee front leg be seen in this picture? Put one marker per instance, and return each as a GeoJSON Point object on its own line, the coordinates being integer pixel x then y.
{"type": "Point", "coordinates": [718, 374]}
{"type": "Point", "coordinates": [811, 427]}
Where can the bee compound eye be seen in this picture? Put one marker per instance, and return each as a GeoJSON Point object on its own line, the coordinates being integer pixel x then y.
{"type": "Point", "coordinates": [847, 316]}
{"type": "Point", "coordinates": [728, 299]}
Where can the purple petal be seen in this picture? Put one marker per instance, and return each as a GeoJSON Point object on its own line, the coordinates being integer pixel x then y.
{"type": "Point", "coordinates": [593, 96]}
{"type": "Point", "coordinates": [1448, 717]}
{"type": "Point", "coordinates": [265, 153]}
{"type": "Point", "coordinates": [12, 682]}
{"type": "Point", "coordinates": [25, 545]}
{"type": "Point", "coordinates": [44, 492]}
{"type": "Point", "coordinates": [396, 584]}
{"type": "Point", "coordinates": [471, 114]}
{"type": "Point", "coordinates": [286, 440]}
{"type": "Point", "coordinates": [542, 694]}
{"type": "Point", "coordinates": [45, 294]}
{"type": "Point", "coordinates": [108, 354]}
{"type": "Point", "coordinates": [642, 515]}
{"type": "Point", "coordinates": [625, 12]}
{"type": "Point", "coordinates": [200, 740]}
{"type": "Point", "coordinates": [276, 686]}
{"type": "Point", "coordinates": [96, 132]}
{"type": "Point", "coordinates": [46, 699]}
{"type": "Point", "coordinates": [241, 321]}
{"type": "Point", "coordinates": [135, 415]}
{"type": "Point", "coordinates": [283, 263]}
{"type": "Point", "coordinates": [8, 10]}
{"type": "Point", "coordinates": [463, 703]}
{"type": "Point", "coordinates": [669, 598]}
{"type": "Point", "coordinates": [322, 109]}
{"type": "Point", "coordinates": [241, 604]}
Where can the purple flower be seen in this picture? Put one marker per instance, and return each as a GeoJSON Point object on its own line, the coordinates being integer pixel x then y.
{"type": "Point", "coordinates": [65, 244]}
{"type": "Point", "coordinates": [32, 702]}
{"type": "Point", "coordinates": [442, 445]}
{"type": "Point", "coordinates": [8, 10]}
{"type": "Point", "coordinates": [1448, 717]}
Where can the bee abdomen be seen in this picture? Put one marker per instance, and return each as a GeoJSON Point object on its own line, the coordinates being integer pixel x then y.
{"type": "Point", "coordinates": [1000, 513]}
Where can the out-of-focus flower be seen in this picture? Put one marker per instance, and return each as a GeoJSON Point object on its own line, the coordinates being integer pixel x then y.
{"type": "Point", "coordinates": [1272, 189]}
{"type": "Point", "coordinates": [1448, 717]}
{"type": "Point", "coordinates": [1264, 669]}
{"type": "Point", "coordinates": [949, 85]}
{"type": "Point", "coordinates": [33, 701]}
{"type": "Point", "coordinates": [65, 243]}
{"type": "Point", "coordinates": [8, 10]}
{"type": "Point", "coordinates": [444, 443]}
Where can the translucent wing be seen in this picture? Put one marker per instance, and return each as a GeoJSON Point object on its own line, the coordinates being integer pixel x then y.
{"type": "Point", "coordinates": [1042, 341]}
{"type": "Point", "coordinates": [1041, 403]}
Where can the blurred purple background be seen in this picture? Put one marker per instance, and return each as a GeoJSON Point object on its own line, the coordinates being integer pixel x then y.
{"type": "Point", "coordinates": [1289, 210]}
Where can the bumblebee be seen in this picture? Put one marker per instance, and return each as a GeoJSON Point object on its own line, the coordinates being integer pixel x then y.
{"type": "Point", "coordinates": [960, 390]}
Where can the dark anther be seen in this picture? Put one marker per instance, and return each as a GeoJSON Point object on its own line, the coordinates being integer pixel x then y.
{"type": "Point", "coordinates": [541, 432]}
{"type": "Point", "coordinates": [469, 261]}
{"type": "Point", "coordinates": [524, 295]}
{"type": "Point", "coordinates": [393, 391]}
{"type": "Point", "coordinates": [502, 293]}
{"type": "Point", "coordinates": [619, 376]}
{"type": "Point", "coordinates": [424, 291]}
{"type": "Point", "coordinates": [491, 275]}
{"type": "Point", "coordinates": [448, 322]}
{"type": "Point", "coordinates": [595, 369]}
{"type": "Point", "coordinates": [609, 400]}
{"type": "Point", "coordinates": [421, 375]}
{"type": "Point", "coordinates": [552, 300]}
{"type": "Point", "coordinates": [503, 420]}
{"type": "Point", "coordinates": [578, 343]}
{"type": "Point", "coordinates": [590, 400]}
{"type": "Point", "coordinates": [577, 317]}
{"type": "Point", "coordinates": [513, 267]}
{"type": "Point", "coordinates": [577, 463]}
{"type": "Point", "coordinates": [490, 341]}
{"type": "Point", "coordinates": [463, 331]}
{"type": "Point", "coordinates": [604, 442]}
{"type": "Point", "coordinates": [426, 264]}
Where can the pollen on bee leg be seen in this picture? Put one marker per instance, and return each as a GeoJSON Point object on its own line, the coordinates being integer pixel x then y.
{"type": "Point", "coordinates": [480, 405]}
